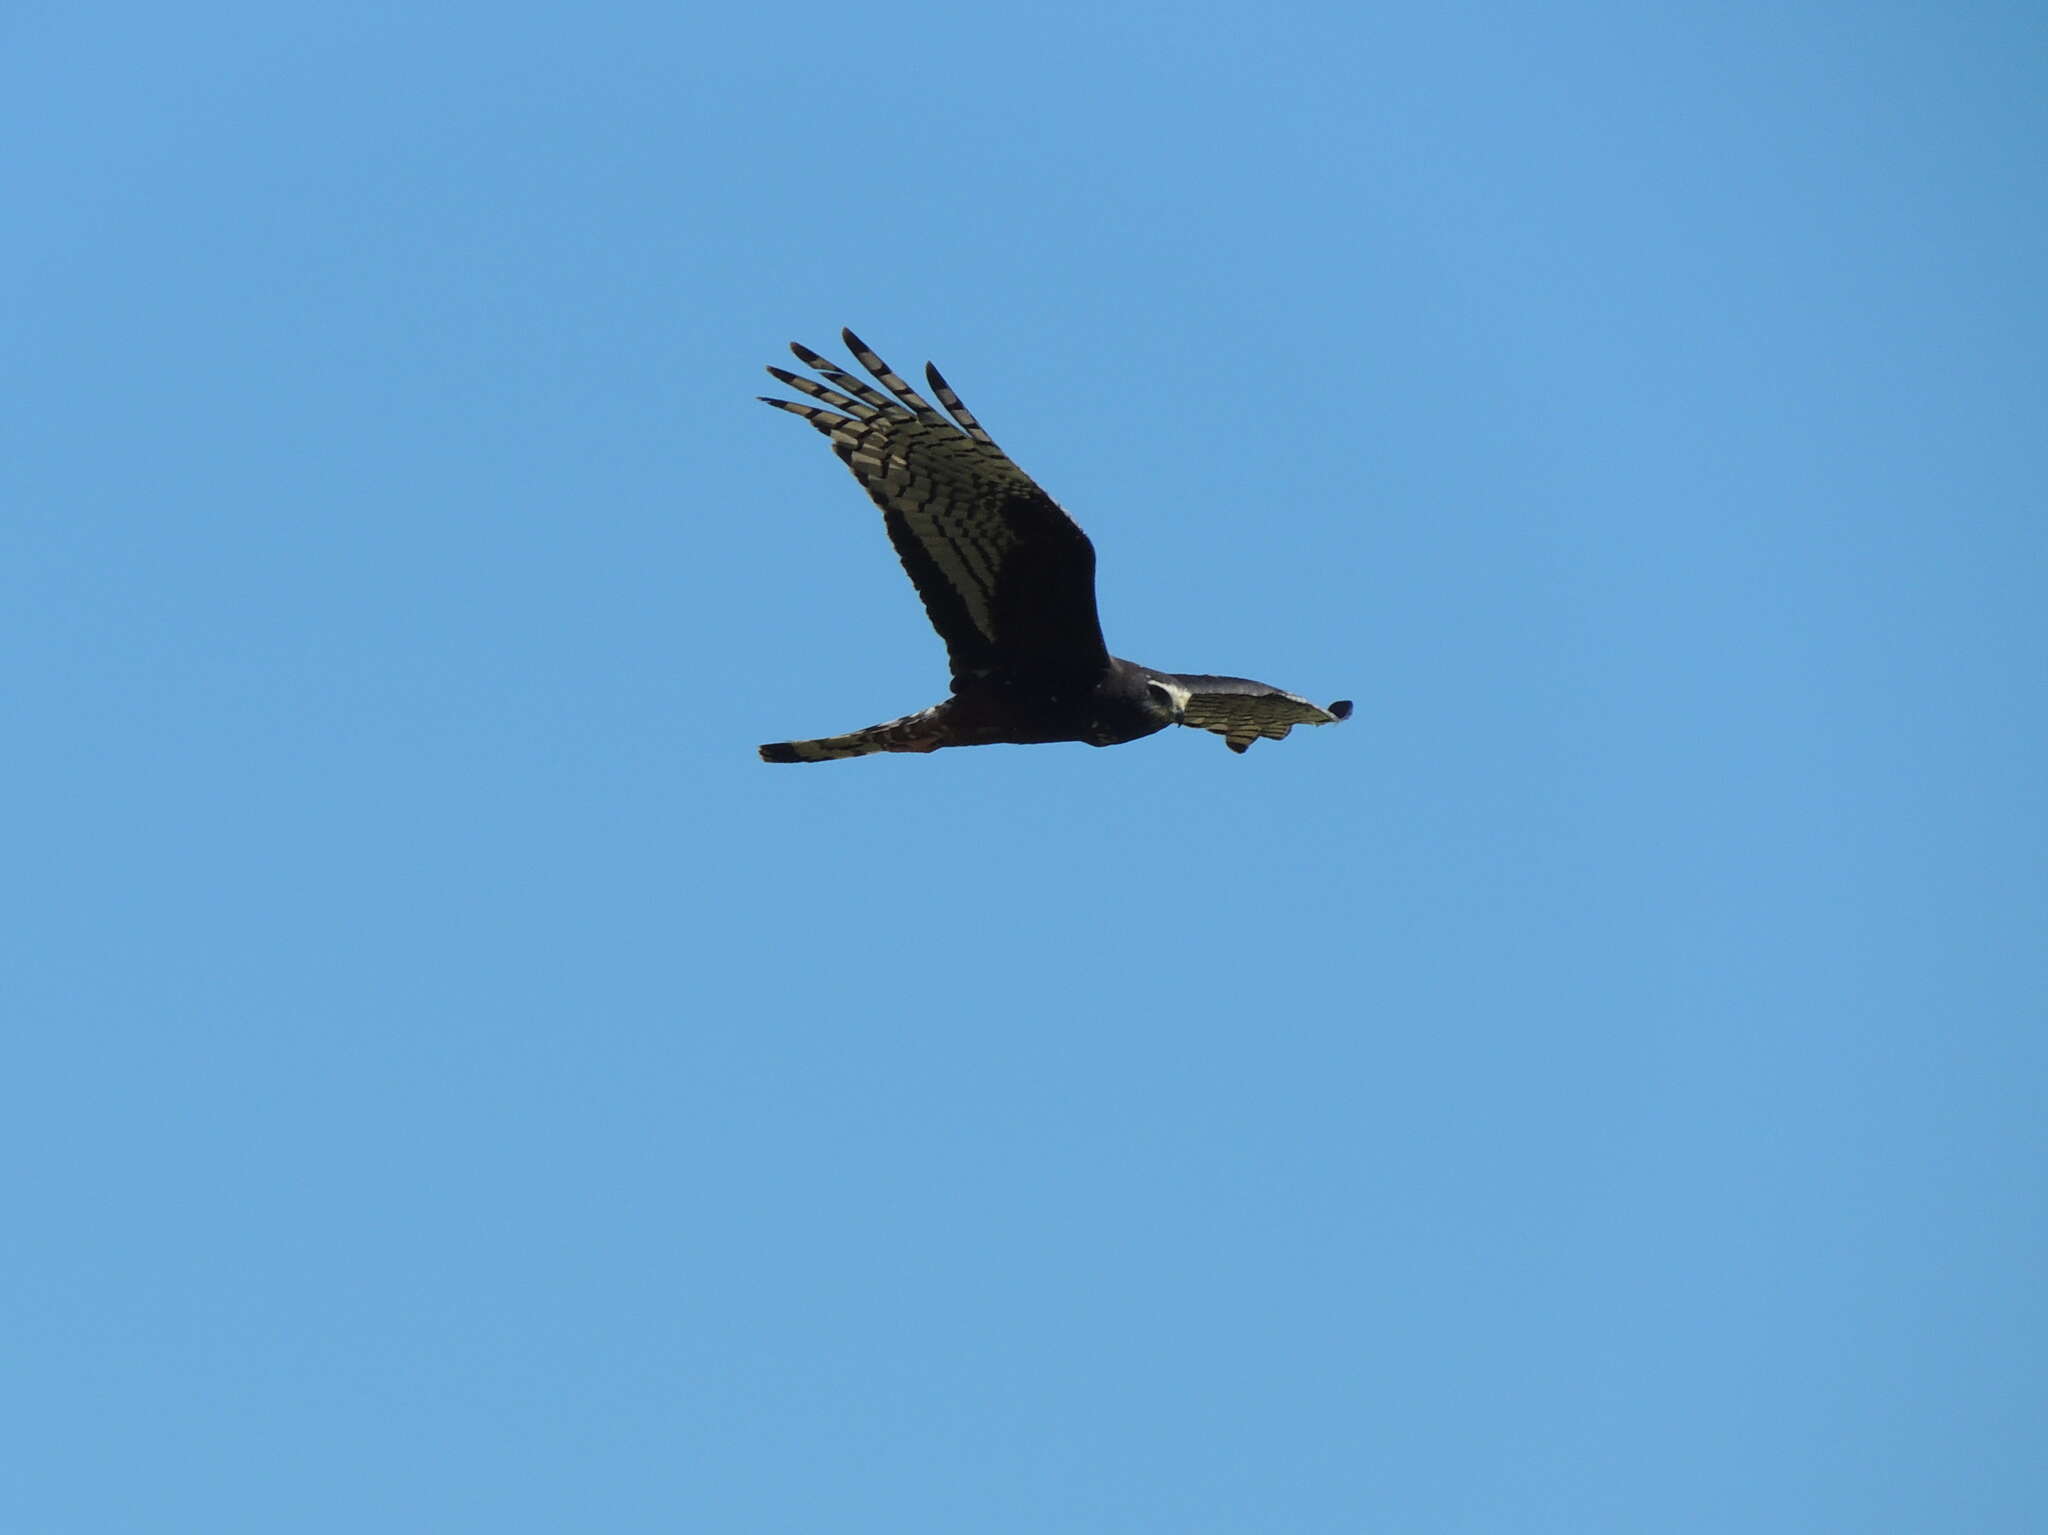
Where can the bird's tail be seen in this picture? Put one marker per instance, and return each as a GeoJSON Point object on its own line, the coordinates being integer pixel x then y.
{"type": "Point", "coordinates": [924, 731]}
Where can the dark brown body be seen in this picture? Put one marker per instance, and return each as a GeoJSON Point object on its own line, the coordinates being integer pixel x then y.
{"type": "Point", "coordinates": [1008, 581]}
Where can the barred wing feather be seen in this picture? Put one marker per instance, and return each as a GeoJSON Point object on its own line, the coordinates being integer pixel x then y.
{"type": "Point", "coordinates": [1007, 577]}
{"type": "Point", "coordinates": [1240, 710]}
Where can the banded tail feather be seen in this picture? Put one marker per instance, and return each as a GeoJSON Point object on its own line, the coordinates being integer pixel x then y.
{"type": "Point", "coordinates": [924, 731]}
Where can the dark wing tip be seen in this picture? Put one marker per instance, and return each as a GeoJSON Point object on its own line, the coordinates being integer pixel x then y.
{"type": "Point", "coordinates": [780, 751]}
{"type": "Point", "coordinates": [1240, 747]}
{"type": "Point", "coordinates": [1341, 708]}
{"type": "Point", "coordinates": [846, 334]}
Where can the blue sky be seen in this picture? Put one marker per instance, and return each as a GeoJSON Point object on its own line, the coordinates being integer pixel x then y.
{"type": "Point", "coordinates": [453, 1085]}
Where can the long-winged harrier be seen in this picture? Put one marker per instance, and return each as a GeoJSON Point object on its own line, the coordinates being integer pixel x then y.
{"type": "Point", "coordinates": [1008, 581]}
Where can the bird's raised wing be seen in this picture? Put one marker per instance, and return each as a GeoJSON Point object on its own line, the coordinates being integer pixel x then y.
{"type": "Point", "coordinates": [1007, 578]}
{"type": "Point", "coordinates": [1241, 710]}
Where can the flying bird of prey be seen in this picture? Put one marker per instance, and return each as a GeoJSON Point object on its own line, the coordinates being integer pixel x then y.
{"type": "Point", "coordinates": [1008, 580]}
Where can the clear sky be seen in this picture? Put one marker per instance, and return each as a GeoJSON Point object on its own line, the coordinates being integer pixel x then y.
{"type": "Point", "coordinates": [452, 1085]}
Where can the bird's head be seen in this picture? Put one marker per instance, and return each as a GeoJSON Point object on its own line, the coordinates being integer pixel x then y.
{"type": "Point", "coordinates": [1165, 701]}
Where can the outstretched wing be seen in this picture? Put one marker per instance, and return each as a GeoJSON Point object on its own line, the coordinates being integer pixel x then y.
{"type": "Point", "coordinates": [1241, 710]}
{"type": "Point", "coordinates": [1007, 578]}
